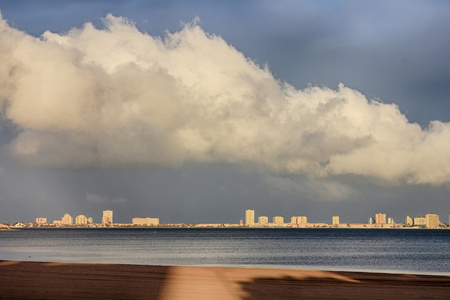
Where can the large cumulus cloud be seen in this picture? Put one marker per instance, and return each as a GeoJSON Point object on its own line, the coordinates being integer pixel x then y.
{"type": "Point", "coordinates": [116, 97]}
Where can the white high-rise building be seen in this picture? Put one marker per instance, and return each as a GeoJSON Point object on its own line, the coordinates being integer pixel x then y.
{"type": "Point", "coordinates": [67, 220]}
{"type": "Point", "coordinates": [335, 220]}
{"type": "Point", "coordinates": [432, 221]}
{"type": "Point", "coordinates": [107, 217]}
{"type": "Point", "coordinates": [380, 218]}
{"type": "Point", "coordinates": [249, 217]}
{"type": "Point", "coordinates": [81, 220]}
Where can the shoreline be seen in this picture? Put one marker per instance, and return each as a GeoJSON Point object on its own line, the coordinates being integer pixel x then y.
{"type": "Point", "coordinates": [50, 280]}
{"type": "Point", "coordinates": [129, 226]}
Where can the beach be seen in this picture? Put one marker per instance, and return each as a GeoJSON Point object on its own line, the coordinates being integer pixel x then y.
{"type": "Point", "coordinates": [46, 280]}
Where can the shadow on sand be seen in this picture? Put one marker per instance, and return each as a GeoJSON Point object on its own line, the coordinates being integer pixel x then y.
{"type": "Point", "coordinates": [355, 286]}
{"type": "Point", "coordinates": [39, 280]}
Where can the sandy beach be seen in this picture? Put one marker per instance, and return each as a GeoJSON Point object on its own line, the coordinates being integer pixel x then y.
{"type": "Point", "coordinates": [40, 280]}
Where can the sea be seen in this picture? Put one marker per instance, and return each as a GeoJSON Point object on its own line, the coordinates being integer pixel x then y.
{"type": "Point", "coordinates": [411, 251]}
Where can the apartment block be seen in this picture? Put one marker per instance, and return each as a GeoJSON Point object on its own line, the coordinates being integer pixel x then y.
{"type": "Point", "coordinates": [249, 217]}
{"type": "Point", "coordinates": [263, 220]}
{"type": "Point", "coordinates": [67, 220]}
{"type": "Point", "coordinates": [380, 218]}
{"type": "Point", "coordinates": [432, 221]}
{"type": "Point", "coordinates": [335, 220]}
{"type": "Point", "coordinates": [420, 221]}
{"type": "Point", "coordinates": [278, 220]}
{"type": "Point", "coordinates": [107, 217]}
{"type": "Point", "coordinates": [41, 220]}
{"type": "Point", "coordinates": [81, 220]}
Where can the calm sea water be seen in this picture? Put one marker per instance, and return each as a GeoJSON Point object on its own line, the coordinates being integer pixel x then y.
{"type": "Point", "coordinates": [385, 250]}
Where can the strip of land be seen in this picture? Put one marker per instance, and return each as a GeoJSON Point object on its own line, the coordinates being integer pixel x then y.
{"type": "Point", "coordinates": [40, 280]}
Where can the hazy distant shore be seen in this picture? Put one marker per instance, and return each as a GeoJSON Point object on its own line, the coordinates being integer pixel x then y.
{"type": "Point", "coordinates": [38, 280]}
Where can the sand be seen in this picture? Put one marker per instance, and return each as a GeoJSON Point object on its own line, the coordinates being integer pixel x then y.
{"type": "Point", "coordinates": [39, 280]}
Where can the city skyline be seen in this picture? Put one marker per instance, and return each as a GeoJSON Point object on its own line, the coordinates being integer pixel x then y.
{"type": "Point", "coordinates": [380, 220]}
{"type": "Point", "coordinates": [195, 113]}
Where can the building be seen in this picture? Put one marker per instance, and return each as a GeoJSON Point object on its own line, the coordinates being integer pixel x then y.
{"type": "Point", "coordinates": [420, 221]}
{"type": "Point", "coordinates": [263, 220]}
{"type": "Point", "coordinates": [371, 220]}
{"type": "Point", "coordinates": [278, 220]}
{"type": "Point", "coordinates": [432, 221]}
{"type": "Point", "coordinates": [90, 220]}
{"type": "Point", "coordinates": [335, 220]}
{"type": "Point", "coordinates": [41, 220]}
{"type": "Point", "coordinates": [67, 220]}
{"type": "Point", "coordinates": [107, 217]}
{"type": "Point", "coordinates": [409, 221]}
{"type": "Point", "coordinates": [249, 217]}
{"type": "Point", "coordinates": [380, 218]}
{"type": "Point", "coordinates": [299, 220]}
{"type": "Point", "coordinates": [391, 221]}
{"type": "Point", "coordinates": [57, 222]}
{"type": "Point", "coordinates": [146, 221]}
{"type": "Point", "coordinates": [81, 220]}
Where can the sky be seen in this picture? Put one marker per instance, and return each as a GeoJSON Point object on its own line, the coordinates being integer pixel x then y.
{"type": "Point", "coordinates": [195, 111]}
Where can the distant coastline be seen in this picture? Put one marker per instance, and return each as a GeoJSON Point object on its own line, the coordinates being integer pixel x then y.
{"type": "Point", "coordinates": [218, 226]}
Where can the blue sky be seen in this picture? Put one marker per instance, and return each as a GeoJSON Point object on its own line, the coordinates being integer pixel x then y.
{"type": "Point", "coordinates": [391, 52]}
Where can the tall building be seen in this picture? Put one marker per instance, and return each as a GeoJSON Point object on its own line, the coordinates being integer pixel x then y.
{"type": "Point", "coordinates": [249, 217]}
{"type": "Point", "coordinates": [380, 218]}
{"type": "Point", "coordinates": [90, 220]}
{"type": "Point", "coordinates": [409, 221]}
{"type": "Point", "coordinates": [335, 220]}
{"type": "Point", "coordinates": [391, 221]}
{"type": "Point", "coordinates": [81, 220]}
{"type": "Point", "coordinates": [263, 220]}
{"type": "Point", "coordinates": [67, 220]}
{"type": "Point", "coordinates": [278, 220]}
{"type": "Point", "coordinates": [41, 220]}
{"type": "Point", "coordinates": [371, 220]}
{"type": "Point", "coordinates": [107, 217]}
{"type": "Point", "coordinates": [432, 221]}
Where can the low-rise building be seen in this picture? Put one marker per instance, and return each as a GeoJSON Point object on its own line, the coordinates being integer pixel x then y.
{"type": "Point", "coordinates": [420, 221]}
{"type": "Point", "coordinates": [278, 220]}
{"type": "Point", "coordinates": [146, 221]}
{"type": "Point", "coordinates": [41, 220]}
{"type": "Point", "coordinates": [263, 220]}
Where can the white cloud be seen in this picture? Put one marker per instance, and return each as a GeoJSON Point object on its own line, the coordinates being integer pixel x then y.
{"type": "Point", "coordinates": [116, 97]}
